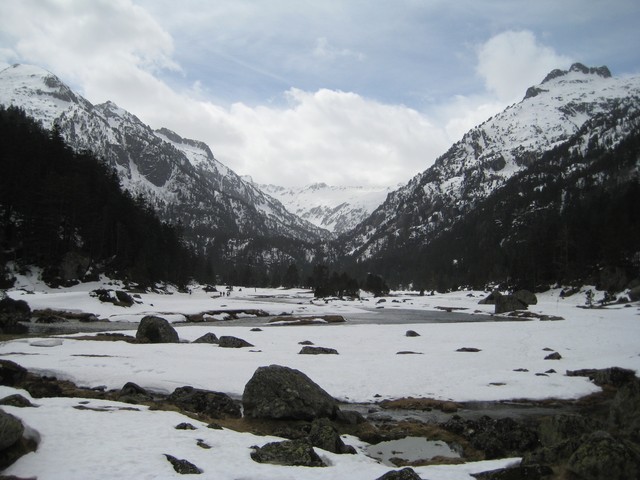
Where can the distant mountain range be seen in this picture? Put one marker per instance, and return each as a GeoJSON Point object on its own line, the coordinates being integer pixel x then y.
{"type": "Point", "coordinates": [565, 125]}
{"type": "Point", "coordinates": [336, 209]}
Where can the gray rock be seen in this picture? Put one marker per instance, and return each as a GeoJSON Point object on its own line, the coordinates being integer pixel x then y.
{"type": "Point", "coordinates": [306, 350]}
{"type": "Point", "coordinates": [11, 313]}
{"type": "Point", "coordinates": [602, 456]}
{"type": "Point", "coordinates": [213, 404]}
{"type": "Point", "coordinates": [279, 392]}
{"type": "Point", "coordinates": [634, 294]}
{"type": "Point", "coordinates": [526, 297]}
{"type": "Point", "coordinates": [183, 467]}
{"type": "Point", "coordinates": [404, 474]}
{"type": "Point", "coordinates": [207, 338]}
{"type": "Point", "coordinates": [412, 333]}
{"type": "Point", "coordinates": [233, 342]}
{"type": "Point", "coordinates": [133, 393]}
{"type": "Point", "coordinates": [288, 453]}
{"type": "Point", "coordinates": [16, 400]}
{"type": "Point", "coordinates": [154, 329]}
{"type": "Point", "coordinates": [11, 374]}
{"type": "Point", "coordinates": [508, 303]}
{"type": "Point", "coordinates": [11, 430]}
{"type": "Point", "coordinates": [553, 356]}
{"type": "Point", "coordinates": [325, 436]}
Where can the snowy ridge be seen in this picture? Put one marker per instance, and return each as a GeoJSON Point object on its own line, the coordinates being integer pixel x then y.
{"type": "Point", "coordinates": [179, 177]}
{"type": "Point", "coordinates": [491, 153]}
{"type": "Point", "coordinates": [337, 209]}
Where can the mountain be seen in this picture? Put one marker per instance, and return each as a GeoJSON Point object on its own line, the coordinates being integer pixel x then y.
{"type": "Point", "coordinates": [336, 209]}
{"type": "Point", "coordinates": [583, 114]}
{"type": "Point", "coordinates": [180, 178]}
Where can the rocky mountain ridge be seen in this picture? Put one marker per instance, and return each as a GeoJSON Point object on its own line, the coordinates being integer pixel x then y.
{"type": "Point", "coordinates": [490, 154]}
{"type": "Point", "coordinates": [337, 209]}
{"type": "Point", "coordinates": [179, 177]}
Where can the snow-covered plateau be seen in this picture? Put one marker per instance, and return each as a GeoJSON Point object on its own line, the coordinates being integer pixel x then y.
{"type": "Point", "coordinates": [103, 439]}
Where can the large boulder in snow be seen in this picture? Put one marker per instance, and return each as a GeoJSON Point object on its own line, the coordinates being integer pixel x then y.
{"type": "Point", "coordinates": [11, 430]}
{"type": "Point", "coordinates": [212, 404]}
{"type": "Point", "coordinates": [11, 313]}
{"type": "Point", "coordinates": [11, 374]}
{"type": "Point", "coordinates": [154, 329]}
{"type": "Point", "coordinates": [227, 341]}
{"type": "Point", "coordinates": [288, 453]}
{"type": "Point", "coordinates": [526, 297]}
{"type": "Point", "coordinates": [279, 392]}
{"type": "Point", "coordinates": [508, 303]}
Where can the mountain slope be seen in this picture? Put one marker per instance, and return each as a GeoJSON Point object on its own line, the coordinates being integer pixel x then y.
{"type": "Point", "coordinates": [336, 209]}
{"type": "Point", "coordinates": [179, 177]}
{"type": "Point", "coordinates": [492, 153]}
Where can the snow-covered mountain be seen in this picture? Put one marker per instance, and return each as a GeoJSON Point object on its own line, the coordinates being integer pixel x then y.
{"type": "Point", "coordinates": [180, 178]}
{"type": "Point", "coordinates": [550, 114]}
{"type": "Point", "coordinates": [337, 209]}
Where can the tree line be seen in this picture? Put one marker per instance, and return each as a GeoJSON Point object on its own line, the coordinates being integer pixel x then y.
{"type": "Point", "coordinates": [65, 212]}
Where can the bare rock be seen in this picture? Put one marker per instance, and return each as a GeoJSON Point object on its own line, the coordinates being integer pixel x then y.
{"type": "Point", "coordinates": [288, 453]}
{"type": "Point", "coordinates": [154, 329]}
{"type": "Point", "coordinates": [279, 392]}
{"type": "Point", "coordinates": [213, 404]}
{"type": "Point", "coordinates": [233, 342]}
{"type": "Point", "coordinates": [183, 467]}
{"type": "Point", "coordinates": [307, 350]}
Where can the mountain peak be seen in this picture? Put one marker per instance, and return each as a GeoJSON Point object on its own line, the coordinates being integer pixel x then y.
{"type": "Point", "coordinates": [577, 67]}
{"type": "Point", "coordinates": [602, 71]}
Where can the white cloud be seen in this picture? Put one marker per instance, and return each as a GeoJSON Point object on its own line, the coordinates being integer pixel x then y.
{"type": "Point", "coordinates": [511, 61]}
{"type": "Point", "coordinates": [115, 50]}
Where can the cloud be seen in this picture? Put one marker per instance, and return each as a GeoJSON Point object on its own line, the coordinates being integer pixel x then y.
{"type": "Point", "coordinates": [83, 40]}
{"type": "Point", "coordinates": [115, 50]}
{"type": "Point", "coordinates": [512, 61]}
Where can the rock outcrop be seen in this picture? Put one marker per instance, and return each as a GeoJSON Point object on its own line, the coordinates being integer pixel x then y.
{"type": "Point", "coordinates": [278, 392]}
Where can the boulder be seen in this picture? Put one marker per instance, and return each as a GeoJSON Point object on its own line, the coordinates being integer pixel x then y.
{"type": "Point", "coordinates": [602, 456]}
{"type": "Point", "coordinates": [279, 392]}
{"type": "Point", "coordinates": [404, 474]}
{"type": "Point", "coordinates": [508, 303]}
{"type": "Point", "coordinates": [154, 329]}
{"type": "Point", "coordinates": [288, 453]}
{"type": "Point", "coordinates": [490, 299]}
{"type": "Point", "coordinates": [207, 338]}
{"type": "Point", "coordinates": [306, 350]}
{"type": "Point", "coordinates": [133, 393]}
{"type": "Point", "coordinates": [526, 297]}
{"type": "Point", "coordinates": [11, 430]}
{"type": "Point", "coordinates": [183, 467]}
{"type": "Point", "coordinates": [11, 313]}
{"type": "Point", "coordinates": [212, 404]}
{"type": "Point", "coordinates": [232, 342]}
{"type": "Point", "coordinates": [16, 400]}
{"type": "Point", "coordinates": [325, 436]}
{"type": "Point", "coordinates": [634, 294]}
{"type": "Point", "coordinates": [412, 333]}
{"type": "Point", "coordinates": [11, 374]}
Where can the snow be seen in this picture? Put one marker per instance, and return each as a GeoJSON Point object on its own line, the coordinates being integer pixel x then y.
{"type": "Point", "coordinates": [335, 208]}
{"type": "Point", "coordinates": [103, 441]}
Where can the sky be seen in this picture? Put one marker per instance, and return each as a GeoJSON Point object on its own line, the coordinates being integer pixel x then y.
{"type": "Point", "coordinates": [292, 92]}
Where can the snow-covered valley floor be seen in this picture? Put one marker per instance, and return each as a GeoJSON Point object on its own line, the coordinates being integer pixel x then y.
{"type": "Point", "coordinates": [107, 442]}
